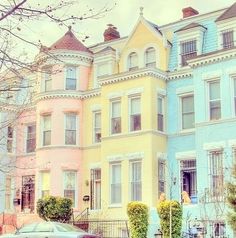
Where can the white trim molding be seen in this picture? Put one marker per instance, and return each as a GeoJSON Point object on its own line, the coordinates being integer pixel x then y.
{"type": "Point", "coordinates": [185, 155]}
{"type": "Point", "coordinates": [219, 145]}
{"type": "Point", "coordinates": [134, 155]}
{"type": "Point", "coordinates": [114, 158]}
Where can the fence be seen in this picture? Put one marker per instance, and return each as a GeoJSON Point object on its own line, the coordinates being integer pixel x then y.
{"type": "Point", "coordinates": [105, 228]}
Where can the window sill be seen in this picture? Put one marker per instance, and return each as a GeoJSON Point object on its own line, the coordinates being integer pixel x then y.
{"type": "Point", "coordinates": [118, 205]}
{"type": "Point", "coordinates": [187, 131]}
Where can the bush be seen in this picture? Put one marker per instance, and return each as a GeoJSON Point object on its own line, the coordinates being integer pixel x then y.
{"type": "Point", "coordinates": [138, 219]}
{"type": "Point", "coordinates": [163, 210]}
{"type": "Point", "coordinates": [52, 208]}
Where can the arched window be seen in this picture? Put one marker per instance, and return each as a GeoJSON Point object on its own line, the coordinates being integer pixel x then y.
{"type": "Point", "coordinates": [132, 61]}
{"type": "Point", "coordinates": [150, 57]}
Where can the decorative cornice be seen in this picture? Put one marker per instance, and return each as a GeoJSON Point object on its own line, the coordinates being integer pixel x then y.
{"type": "Point", "coordinates": [179, 74]}
{"type": "Point", "coordinates": [212, 57]}
{"type": "Point", "coordinates": [153, 72]}
{"type": "Point", "coordinates": [60, 55]}
{"type": "Point", "coordinates": [68, 94]}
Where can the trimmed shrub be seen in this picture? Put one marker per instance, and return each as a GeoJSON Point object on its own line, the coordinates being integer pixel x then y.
{"type": "Point", "coordinates": [163, 210]}
{"type": "Point", "coordinates": [52, 208]}
{"type": "Point", "coordinates": [138, 219]}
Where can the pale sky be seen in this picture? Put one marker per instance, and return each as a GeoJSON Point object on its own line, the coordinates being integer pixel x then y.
{"type": "Point", "coordinates": [124, 16]}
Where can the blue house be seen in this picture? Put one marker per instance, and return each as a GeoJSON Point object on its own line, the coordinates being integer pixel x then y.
{"type": "Point", "coordinates": [201, 124]}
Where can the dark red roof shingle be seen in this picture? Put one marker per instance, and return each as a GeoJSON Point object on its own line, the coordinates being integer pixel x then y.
{"type": "Point", "coordinates": [69, 42]}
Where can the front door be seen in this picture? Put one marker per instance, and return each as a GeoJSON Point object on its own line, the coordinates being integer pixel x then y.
{"type": "Point", "coordinates": [28, 193]}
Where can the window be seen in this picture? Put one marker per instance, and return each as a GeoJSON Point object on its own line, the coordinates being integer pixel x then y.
{"type": "Point", "coordinates": [8, 188]}
{"type": "Point", "coordinates": [218, 229]}
{"type": "Point", "coordinates": [102, 69]}
{"type": "Point", "coordinates": [214, 100]}
{"type": "Point", "coordinates": [95, 189]}
{"type": "Point", "coordinates": [132, 61]}
{"type": "Point", "coordinates": [188, 177]}
{"type": "Point", "coordinates": [97, 127]}
{"type": "Point", "coordinates": [70, 185]}
{"type": "Point", "coordinates": [115, 183]}
{"type": "Point", "coordinates": [216, 173]}
{"type": "Point", "coordinates": [47, 130]}
{"type": "Point", "coordinates": [71, 78]}
{"type": "Point", "coordinates": [150, 57]}
{"type": "Point", "coordinates": [160, 114]}
{"type": "Point", "coordinates": [47, 82]}
{"type": "Point", "coordinates": [31, 138]}
{"type": "Point", "coordinates": [187, 112]}
{"type": "Point", "coordinates": [136, 180]}
{"type": "Point", "coordinates": [161, 177]}
{"type": "Point", "coordinates": [45, 183]}
{"type": "Point", "coordinates": [234, 95]}
{"type": "Point", "coordinates": [9, 139]}
{"type": "Point", "coordinates": [115, 117]}
{"type": "Point", "coordinates": [188, 51]}
{"type": "Point", "coordinates": [228, 39]}
{"type": "Point", "coordinates": [70, 130]}
{"type": "Point", "coordinates": [135, 114]}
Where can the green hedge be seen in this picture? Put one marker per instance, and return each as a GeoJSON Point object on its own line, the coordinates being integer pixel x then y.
{"type": "Point", "coordinates": [163, 210]}
{"type": "Point", "coordinates": [52, 208]}
{"type": "Point", "coordinates": [138, 219]}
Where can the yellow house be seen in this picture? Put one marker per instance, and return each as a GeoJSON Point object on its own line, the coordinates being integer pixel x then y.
{"type": "Point", "coordinates": [124, 139]}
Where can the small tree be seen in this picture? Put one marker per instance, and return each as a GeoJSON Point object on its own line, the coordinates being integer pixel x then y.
{"type": "Point", "coordinates": [138, 219]}
{"type": "Point", "coordinates": [231, 199]}
{"type": "Point", "coordinates": [52, 208]}
{"type": "Point", "coordinates": [164, 209]}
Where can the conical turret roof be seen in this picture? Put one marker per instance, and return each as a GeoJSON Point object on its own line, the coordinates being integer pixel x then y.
{"type": "Point", "coordinates": [69, 42]}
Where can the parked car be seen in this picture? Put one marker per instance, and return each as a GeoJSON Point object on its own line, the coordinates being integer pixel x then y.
{"type": "Point", "coordinates": [50, 230]}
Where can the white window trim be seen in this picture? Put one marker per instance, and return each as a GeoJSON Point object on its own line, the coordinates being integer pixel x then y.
{"type": "Point", "coordinates": [41, 180]}
{"type": "Point", "coordinates": [126, 58]}
{"type": "Point", "coordinates": [163, 112]}
{"type": "Point", "coordinates": [76, 126]}
{"type": "Point", "coordinates": [114, 100]}
{"type": "Point", "coordinates": [189, 35]}
{"type": "Point", "coordinates": [232, 79]}
{"type": "Point", "coordinates": [26, 136]}
{"type": "Point", "coordinates": [76, 185]}
{"type": "Point", "coordinates": [225, 26]}
{"type": "Point", "coordinates": [133, 96]}
{"type": "Point", "coordinates": [137, 160]}
{"type": "Point", "coordinates": [110, 180]}
{"type": "Point", "coordinates": [181, 96]}
{"type": "Point", "coordinates": [207, 104]}
{"type": "Point", "coordinates": [77, 71]}
{"type": "Point", "coordinates": [94, 136]}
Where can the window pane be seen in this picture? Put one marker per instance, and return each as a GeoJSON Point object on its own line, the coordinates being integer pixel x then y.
{"type": "Point", "coordinates": [188, 119]}
{"type": "Point", "coordinates": [135, 122]}
{"type": "Point", "coordinates": [31, 138]}
{"type": "Point", "coordinates": [70, 185]}
{"type": "Point", "coordinates": [187, 104]}
{"type": "Point", "coordinates": [228, 39]}
{"type": "Point", "coordinates": [150, 57]}
{"type": "Point", "coordinates": [136, 185]}
{"type": "Point", "coordinates": [47, 122]}
{"type": "Point", "coordinates": [71, 78]}
{"type": "Point", "coordinates": [116, 106]}
{"type": "Point", "coordinates": [47, 138]}
{"type": "Point", "coordinates": [214, 90]}
{"type": "Point", "coordinates": [97, 127]}
{"type": "Point", "coordinates": [215, 110]}
{"type": "Point", "coordinates": [71, 121]}
{"type": "Point", "coordinates": [133, 61]}
{"type": "Point", "coordinates": [116, 125]}
{"type": "Point", "coordinates": [135, 106]}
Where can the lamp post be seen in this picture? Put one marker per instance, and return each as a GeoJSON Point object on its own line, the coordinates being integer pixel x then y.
{"type": "Point", "coordinates": [158, 234]}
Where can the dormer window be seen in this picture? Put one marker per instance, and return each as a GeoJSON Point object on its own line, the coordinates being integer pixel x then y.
{"type": "Point", "coordinates": [71, 78]}
{"type": "Point", "coordinates": [132, 61]}
{"type": "Point", "coordinates": [150, 57]}
{"type": "Point", "coordinates": [228, 39]}
{"type": "Point", "coordinates": [188, 51]}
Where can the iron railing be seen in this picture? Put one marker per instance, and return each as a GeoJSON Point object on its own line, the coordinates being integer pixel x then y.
{"type": "Point", "coordinates": [105, 228]}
